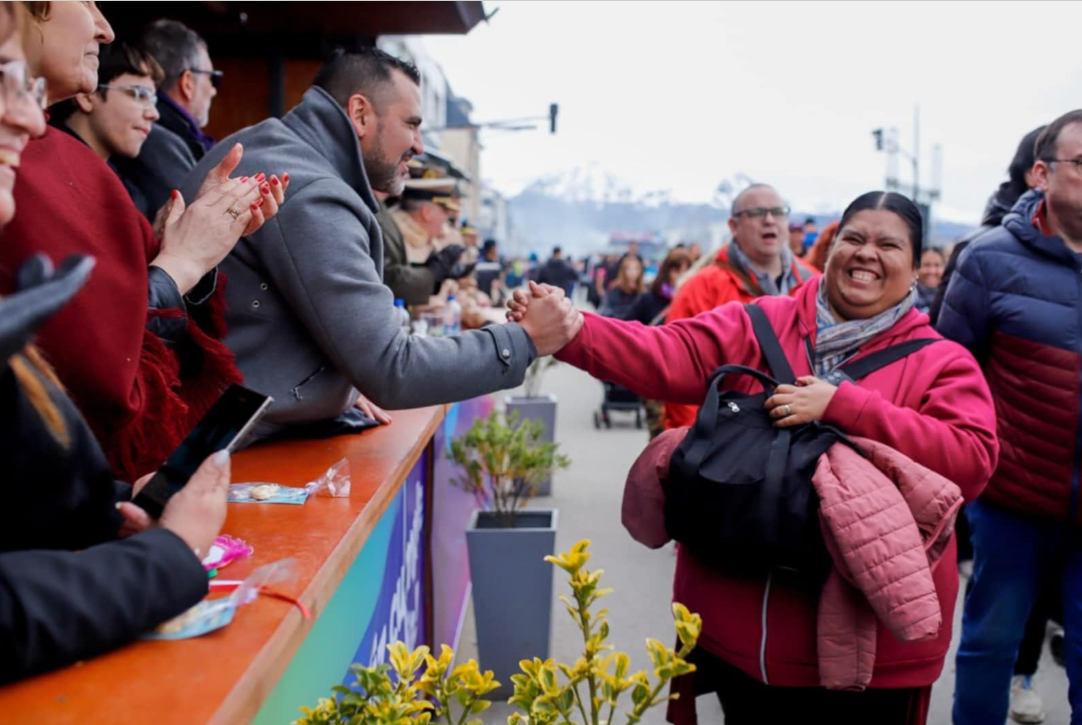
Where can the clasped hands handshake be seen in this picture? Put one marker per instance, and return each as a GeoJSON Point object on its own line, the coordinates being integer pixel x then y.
{"type": "Point", "coordinates": [547, 316]}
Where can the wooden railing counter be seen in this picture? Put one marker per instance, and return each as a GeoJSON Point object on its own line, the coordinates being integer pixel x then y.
{"type": "Point", "coordinates": [223, 677]}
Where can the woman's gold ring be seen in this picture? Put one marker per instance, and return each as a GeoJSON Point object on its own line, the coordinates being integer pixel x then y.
{"type": "Point", "coordinates": [233, 213]}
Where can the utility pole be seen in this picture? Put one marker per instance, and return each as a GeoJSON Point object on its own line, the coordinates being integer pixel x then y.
{"type": "Point", "coordinates": [886, 140]}
{"type": "Point", "coordinates": [916, 154]}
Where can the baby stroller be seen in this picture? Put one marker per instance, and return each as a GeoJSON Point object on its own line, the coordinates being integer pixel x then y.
{"type": "Point", "coordinates": [616, 397]}
{"type": "Point", "coordinates": [620, 399]}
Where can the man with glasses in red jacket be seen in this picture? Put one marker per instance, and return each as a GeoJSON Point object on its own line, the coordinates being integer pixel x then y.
{"type": "Point", "coordinates": [757, 262]}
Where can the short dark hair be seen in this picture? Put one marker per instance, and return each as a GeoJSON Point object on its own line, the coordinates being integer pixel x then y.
{"type": "Point", "coordinates": [119, 57]}
{"type": "Point", "coordinates": [116, 59]}
{"type": "Point", "coordinates": [1045, 147]}
{"type": "Point", "coordinates": [898, 204]}
{"type": "Point", "coordinates": [176, 48]}
{"type": "Point", "coordinates": [365, 71]}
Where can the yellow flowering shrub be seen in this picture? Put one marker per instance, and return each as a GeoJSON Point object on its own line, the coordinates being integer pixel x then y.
{"type": "Point", "coordinates": [417, 688]}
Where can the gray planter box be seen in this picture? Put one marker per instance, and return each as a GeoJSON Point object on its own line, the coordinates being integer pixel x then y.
{"type": "Point", "coordinates": [512, 590]}
{"type": "Point", "coordinates": [542, 408]}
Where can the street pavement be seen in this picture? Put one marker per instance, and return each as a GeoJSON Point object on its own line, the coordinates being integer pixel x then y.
{"type": "Point", "coordinates": [588, 497]}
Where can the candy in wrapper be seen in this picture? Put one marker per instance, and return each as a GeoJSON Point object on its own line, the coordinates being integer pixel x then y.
{"type": "Point", "coordinates": [335, 482]}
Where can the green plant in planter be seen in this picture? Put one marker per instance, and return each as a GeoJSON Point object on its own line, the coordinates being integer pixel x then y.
{"type": "Point", "coordinates": [503, 460]}
{"type": "Point", "coordinates": [587, 693]}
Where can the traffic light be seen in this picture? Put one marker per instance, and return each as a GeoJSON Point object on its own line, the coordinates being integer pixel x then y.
{"type": "Point", "coordinates": [554, 108]}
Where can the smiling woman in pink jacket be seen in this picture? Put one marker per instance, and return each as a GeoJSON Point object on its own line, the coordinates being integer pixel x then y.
{"type": "Point", "coordinates": [758, 647]}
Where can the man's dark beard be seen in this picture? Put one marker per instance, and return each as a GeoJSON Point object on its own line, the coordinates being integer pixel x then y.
{"type": "Point", "coordinates": [382, 173]}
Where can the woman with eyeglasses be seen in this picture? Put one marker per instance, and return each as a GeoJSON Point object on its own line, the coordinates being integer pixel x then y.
{"type": "Point", "coordinates": [115, 120]}
{"type": "Point", "coordinates": [186, 91]}
{"type": "Point", "coordinates": [59, 605]}
{"type": "Point", "coordinates": [139, 348]}
{"type": "Point", "coordinates": [758, 650]}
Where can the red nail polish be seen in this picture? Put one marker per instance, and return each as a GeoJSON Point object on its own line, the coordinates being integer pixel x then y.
{"type": "Point", "coordinates": [176, 194]}
{"type": "Point", "coordinates": [243, 179]}
{"type": "Point", "coordinates": [260, 176]}
{"type": "Point", "coordinates": [274, 180]}
{"type": "Point", "coordinates": [265, 189]}
{"type": "Point", "coordinates": [285, 177]}
{"type": "Point", "coordinates": [253, 206]}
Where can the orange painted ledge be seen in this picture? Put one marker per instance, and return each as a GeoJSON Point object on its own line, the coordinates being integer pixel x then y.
{"type": "Point", "coordinates": [223, 677]}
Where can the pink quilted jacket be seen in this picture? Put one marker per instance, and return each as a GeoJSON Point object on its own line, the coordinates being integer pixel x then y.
{"type": "Point", "coordinates": [886, 520]}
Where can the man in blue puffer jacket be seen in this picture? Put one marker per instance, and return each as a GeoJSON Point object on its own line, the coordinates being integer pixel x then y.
{"type": "Point", "coordinates": [1016, 303]}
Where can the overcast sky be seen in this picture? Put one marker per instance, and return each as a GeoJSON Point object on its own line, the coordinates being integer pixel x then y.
{"type": "Point", "coordinates": [680, 95]}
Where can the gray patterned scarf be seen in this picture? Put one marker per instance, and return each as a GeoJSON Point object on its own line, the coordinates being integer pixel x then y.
{"type": "Point", "coordinates": [838, 340]}
{"type": "Point", "coordinates": [768, 284]}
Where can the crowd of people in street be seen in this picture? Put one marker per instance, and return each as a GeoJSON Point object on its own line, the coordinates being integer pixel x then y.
{"type": "Point", "coordinates": [993, 408]}
{"type": "Point", "coordinates": [957, 372]}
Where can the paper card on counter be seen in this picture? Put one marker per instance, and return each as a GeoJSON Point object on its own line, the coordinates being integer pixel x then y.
{"type": "Point", "coordinates": [266, 493]}
{"type": "Point", "coordinates": [204, 617]}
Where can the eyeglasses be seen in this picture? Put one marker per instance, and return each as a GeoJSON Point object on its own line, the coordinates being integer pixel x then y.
{"type": "Point", "coordinates": [144, 96]}
{"type": "Point", "coordinates": [215, 75]}
{"type": "Point", "coordinates": [757, 212]}
{"type": "Point", "coordinates": [1077, 162]}
{"type": "Point", "coordinates": [18, 85]}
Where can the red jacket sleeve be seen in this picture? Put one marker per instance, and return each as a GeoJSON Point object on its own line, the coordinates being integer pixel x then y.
{"type": "Point", "coordinates": [671, 362]}
{"type": "Point", "coordinates": [952, 431]}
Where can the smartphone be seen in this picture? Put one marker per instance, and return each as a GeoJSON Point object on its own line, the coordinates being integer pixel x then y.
{"type": "Point", "coordinates": [224, 427]}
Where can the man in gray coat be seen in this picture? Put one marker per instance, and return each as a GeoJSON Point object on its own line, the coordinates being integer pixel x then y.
{"type": "Point", "coordinates": [310, 319]}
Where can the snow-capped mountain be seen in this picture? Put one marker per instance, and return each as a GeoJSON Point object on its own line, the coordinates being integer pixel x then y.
{"type": "Point", "coordinates": [579, 209]}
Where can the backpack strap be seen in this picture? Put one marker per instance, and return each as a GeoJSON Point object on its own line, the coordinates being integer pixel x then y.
{"type": "Point", "coordinates": [773, 482]}
{"type": "Point", "coordinates": [769, 345]}
{"type": "Point", "coordinates": [870, 363]}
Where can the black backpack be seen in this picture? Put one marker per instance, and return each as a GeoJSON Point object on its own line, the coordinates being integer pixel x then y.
{"type": "Point", "coordinates": [739, 493]}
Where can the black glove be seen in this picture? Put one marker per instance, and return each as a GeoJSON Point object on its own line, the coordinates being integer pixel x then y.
{"type": "Point", "coordinates": [444, 264]}
{"type": "Point", "coordinates": [40, 292]}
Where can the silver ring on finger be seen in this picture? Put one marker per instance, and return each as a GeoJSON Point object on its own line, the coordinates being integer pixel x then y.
{"type": "Point", "coordinates": [786, 411]}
